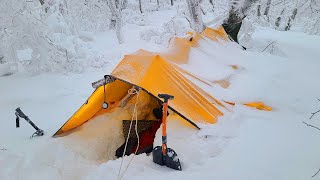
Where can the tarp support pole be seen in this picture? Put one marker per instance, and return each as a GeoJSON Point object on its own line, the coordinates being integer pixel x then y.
{"type": "Point", "coordinates": [106, 80]}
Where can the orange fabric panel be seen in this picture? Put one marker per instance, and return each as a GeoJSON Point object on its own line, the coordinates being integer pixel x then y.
{"type": "Point", "coordinates": [215, 34]}
{"type": "Point", "coordinates": [259, 105]}
{"type": "Point", "coordinates": [196, 37]}
{"type": "Point", "coordinates": [231, 103]}
{"type": "Point", "coordinates": [224, 83]}
{"type": "Point", "coordinates": [133, 68]}
{"type": "Point", "coordinates": [162, 77]}
{"type": "Point", "coordinates": [183, 71]}
{"type": "Point", "coordinates": [116, 91]}
{"type": "Point", "coordinates": [178, 52]}
{"type": "Point", "coordinates": [192, 75]}
{"type": "Point", "coordinates": [235, 67]}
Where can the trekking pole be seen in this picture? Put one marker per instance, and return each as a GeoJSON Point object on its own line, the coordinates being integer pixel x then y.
{"type": "Point", "coordinates": [19, 113]}
{"type": "Point", "coordinates": [164, 155]}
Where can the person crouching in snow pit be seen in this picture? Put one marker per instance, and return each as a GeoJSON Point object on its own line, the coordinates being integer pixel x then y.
{"type": "Point", "coordinates": [146, 138]}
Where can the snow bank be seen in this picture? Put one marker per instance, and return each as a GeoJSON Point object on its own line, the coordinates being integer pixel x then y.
{"type": "Point", "coordinates": [96, 140]}
{"type": "Point", "coordinates": [193, 147]}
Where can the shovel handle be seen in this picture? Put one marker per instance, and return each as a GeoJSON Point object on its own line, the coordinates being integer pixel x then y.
{"type": "Point", "coordinates": [164, 129]}
{"type": "Point", "coordinates": [166, 97]}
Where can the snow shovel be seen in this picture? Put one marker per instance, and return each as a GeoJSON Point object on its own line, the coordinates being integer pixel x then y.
{"type": "Point", "coordinates": [161, 154]}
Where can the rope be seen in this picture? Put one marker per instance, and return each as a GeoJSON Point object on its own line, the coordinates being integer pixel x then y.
{"type": "Point", "coordinates": [134, 115]}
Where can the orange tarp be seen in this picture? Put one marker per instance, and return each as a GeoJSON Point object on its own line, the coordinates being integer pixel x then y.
{"type": "Point", "coordinates": [160, 76]}
{"type": "Point", "coordinates": [156, 73]}
{"type": "Point", "coordinates": [257, 105]}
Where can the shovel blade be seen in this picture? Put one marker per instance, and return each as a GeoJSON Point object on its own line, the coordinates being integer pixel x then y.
{"type": "Point", "coordinates": [171, 160]}
{"type": "Point", "coordinates": [157, 156]}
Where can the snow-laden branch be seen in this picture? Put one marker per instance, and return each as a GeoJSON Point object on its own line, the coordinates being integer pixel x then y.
{"type": "Point", "coordinates": [311, 126]}
{"type": "Point", "coordinates": [268, 46]}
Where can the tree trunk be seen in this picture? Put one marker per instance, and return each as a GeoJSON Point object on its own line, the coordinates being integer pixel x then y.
{"type": "Point", "coordinates": [278, 21]}
{"type": "Point", "coordinates": [293, 16]}
{"type": "Point", "coordinates": [266, 11]}
{"type": "Point", "coordinates": [259, 10]}
{"type": "Point", "coordinates": [171, 2]}
{"type": "Point", "coordinates": [140, 6]}
{"type": "Point", "coordinates": [195, 15]}
{"type": "Point", "coordinates": [116, 20]}
{"type": "Point", "coordinates": [1, 59]}
{"type": "Point", "coordinates": [237, 12]}
{"type": "Point", "coordinates": [113, 22]}
{"type": "Point", "coordinates": [119, 30]}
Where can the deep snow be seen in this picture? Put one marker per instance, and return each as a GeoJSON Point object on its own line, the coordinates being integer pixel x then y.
{"type": "Point", "coordinates": [244, 144]}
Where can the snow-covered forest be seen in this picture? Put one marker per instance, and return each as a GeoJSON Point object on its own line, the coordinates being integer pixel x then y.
{"type": "Point", "coordinates": [55, 35]}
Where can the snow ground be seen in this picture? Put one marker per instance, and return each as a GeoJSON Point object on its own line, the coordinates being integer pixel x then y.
{"type": "Point", "coordinates": [244, 144]}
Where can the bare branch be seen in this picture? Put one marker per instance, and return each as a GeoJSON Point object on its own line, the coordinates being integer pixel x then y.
{"type": "Point", "coordinates": [268, 45]}
{"type": "Point", "coordinates": [303, 4]}
{"type": "Point", "coordinates": [314, 113]}
{"type": "Point", "coordinates": [48, 40]}
{"type": "Point", "coordinates": [316, 173]}
{"type": "Point", "coordinates": [277, 3]}
{"type": "Point", "coordinates": [311, 126]}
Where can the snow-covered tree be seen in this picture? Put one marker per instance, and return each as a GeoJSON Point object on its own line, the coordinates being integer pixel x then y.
{"type": "Point", "coordinates": [238, 10]}
{"type": "Point", "coordinates": [23, 28]}
{"type": "Point", "coordinates": [195, 15]}
{"type": "Point", "coordinates": [115, 7]}
{"type": "Point", "coordinates": [52, 32]}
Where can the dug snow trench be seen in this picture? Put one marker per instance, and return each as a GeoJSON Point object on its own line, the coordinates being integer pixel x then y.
{"type": "Point", "coordinates": [98, 139]}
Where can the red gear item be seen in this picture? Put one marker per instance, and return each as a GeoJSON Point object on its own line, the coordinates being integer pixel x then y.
{"type": "Point", "coordinates": [147, 137]}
